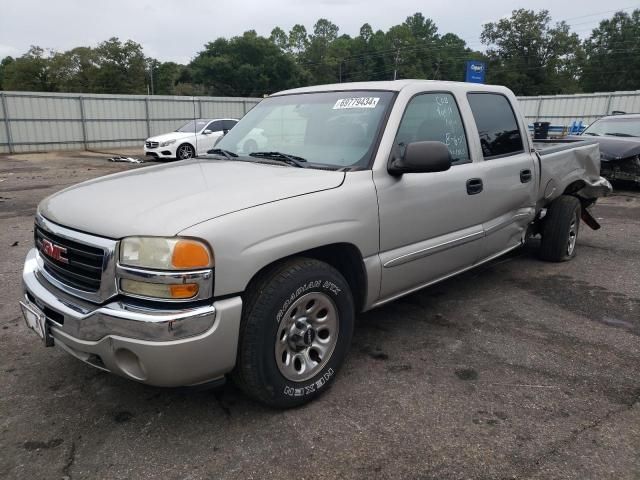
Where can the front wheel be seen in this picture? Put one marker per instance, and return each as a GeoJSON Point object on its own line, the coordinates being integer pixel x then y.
{"type": "Point", "coordinates": [185, 151]}
{"type": "Point", "coordinates": [560, 229]}
{"type": "Point", "coordinates": [295, 333]}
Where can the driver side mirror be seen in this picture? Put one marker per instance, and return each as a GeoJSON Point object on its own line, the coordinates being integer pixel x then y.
{"type": "Point", "coordinates": [225, 131]}
{"type": "Point", "coordinates": [207, 132]}
{"type": "Point", "coordinates": [422, 157]}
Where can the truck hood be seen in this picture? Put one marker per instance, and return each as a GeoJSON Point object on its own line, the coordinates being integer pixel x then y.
{"type": "Point", "coordinates": [165, 199]}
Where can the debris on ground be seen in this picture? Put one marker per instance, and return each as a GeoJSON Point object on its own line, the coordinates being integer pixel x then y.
{"type": "Point", "coordinates": [125, 159]}
{"type": "Point", "coordinates": [15, 244]}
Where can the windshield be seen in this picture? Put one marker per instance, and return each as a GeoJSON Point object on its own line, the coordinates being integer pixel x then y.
{"type": "Point", "coordinates": [334, 129]}
{"type": "Point", "coordinates": [621, 127]}
{"type": "Point", "coordinates": [193, 126]}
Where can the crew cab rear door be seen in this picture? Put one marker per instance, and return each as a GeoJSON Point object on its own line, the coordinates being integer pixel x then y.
{"type": "Point", "coordinates": [507, 171]}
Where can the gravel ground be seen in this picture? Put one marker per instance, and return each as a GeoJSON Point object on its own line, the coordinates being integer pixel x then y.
{"type": "Point", "coordinates": [517, 369]}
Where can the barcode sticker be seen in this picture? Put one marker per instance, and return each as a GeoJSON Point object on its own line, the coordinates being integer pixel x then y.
{"type": "Point", "coordinates": [356, 102]}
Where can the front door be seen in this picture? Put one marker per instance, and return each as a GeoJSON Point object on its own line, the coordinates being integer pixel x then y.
{"type": "Point", "coordinates": [429, 222]}
{"type": "Point", "coordinates": [208, 141]}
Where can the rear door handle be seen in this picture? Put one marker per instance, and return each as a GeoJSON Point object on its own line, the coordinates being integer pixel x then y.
{"type": "Point", "coordinates": [525, 175]}
{"type": "Point", "coordinates": [474, 186]}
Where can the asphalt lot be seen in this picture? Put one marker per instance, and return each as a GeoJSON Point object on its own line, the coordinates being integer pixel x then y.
{"type": "Point", "coordinates": [518, 369]}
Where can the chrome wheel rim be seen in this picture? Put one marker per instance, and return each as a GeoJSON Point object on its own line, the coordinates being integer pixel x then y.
{"type": "Point", "coordinates": [184, 152]}
{"type": "Point", "coordinates": [573, 236]}
{"type": "Point", "coordinates": [307, 336]}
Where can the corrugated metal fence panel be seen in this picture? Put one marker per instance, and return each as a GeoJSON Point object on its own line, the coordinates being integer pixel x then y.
{"type": "Point", "coordinates": [529, 106]}
{"type": "Point", "coordinates": [183, 108]}
{"type": "Point", "coordinates": [626, 103]}
{"type": "Point", "coordinates": [64, 121]}
{"type": "Point", "coordinates": [585, 107]}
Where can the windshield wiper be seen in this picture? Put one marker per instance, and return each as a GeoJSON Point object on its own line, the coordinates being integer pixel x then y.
{"type": "Point", "coordinates": [282, 157]}
{"type": "Point", "coordinates": [591, 133]}
{"type": "Point", "coordinates": [616, 134]}
{"type": "Point", "coordinates": [225, 153]}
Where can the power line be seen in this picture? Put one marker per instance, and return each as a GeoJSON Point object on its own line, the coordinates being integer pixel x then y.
{"type": "Point", "coordinates": [602, 13]}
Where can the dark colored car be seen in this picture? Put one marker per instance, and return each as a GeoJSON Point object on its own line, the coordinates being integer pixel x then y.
{"type": "Point", "coordinates": [619, 139]}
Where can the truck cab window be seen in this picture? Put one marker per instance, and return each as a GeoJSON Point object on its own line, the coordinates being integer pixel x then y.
{"type": "Point", "coordinates": [434, 117]}
{"type": "Point", "coordinates": [497, 125]}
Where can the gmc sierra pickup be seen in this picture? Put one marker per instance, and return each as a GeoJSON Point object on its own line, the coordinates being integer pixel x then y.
{"type": "Point", "coordinates": [252, 263]}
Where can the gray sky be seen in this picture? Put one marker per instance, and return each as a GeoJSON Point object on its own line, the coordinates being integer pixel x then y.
{"type": "Point", "coordinates": [176, 30]}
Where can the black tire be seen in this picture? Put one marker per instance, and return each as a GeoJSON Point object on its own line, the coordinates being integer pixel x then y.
{"type": "Point", "coordinates": [560, 229]}
{"type": "Point", "coordinates": [186, 148]}
{"type": "Point", "coordinates": [257, 372]}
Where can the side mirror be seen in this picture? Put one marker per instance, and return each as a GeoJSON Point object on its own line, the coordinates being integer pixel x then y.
{"type": "Point", "coordinates": [225, 131]}
{"type": "Point", "coordinates": [422, 157]}
{"type": "Point", "coordinates": [207, 132]}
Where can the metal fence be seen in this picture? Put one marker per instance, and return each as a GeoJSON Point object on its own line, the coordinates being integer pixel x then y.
{"type": "Point", "coordinates": [585, 107]}
{"type": "Point", "coordinates": [33, 122]}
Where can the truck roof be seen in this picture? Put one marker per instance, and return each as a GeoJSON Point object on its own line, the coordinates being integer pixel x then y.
{"type": "Point", "coordinates": [395, 86]}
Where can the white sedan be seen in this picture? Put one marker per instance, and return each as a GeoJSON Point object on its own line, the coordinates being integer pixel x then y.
{"type": "Point", "coordinates": [192, 139]}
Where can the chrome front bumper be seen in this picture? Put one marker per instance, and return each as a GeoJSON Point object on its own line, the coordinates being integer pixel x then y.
{"type": "Point", "coordinates": [164, 348]}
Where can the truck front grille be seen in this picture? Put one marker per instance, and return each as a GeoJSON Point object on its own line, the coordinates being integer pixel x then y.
{"type": "Point", "coordinates": [72, 263]}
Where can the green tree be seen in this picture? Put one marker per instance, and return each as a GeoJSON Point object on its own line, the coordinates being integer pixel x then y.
{"type": "Point", "coordinates": [165, 77]}
{"type": "Point", "coordinates": [298, 39]}
{"type": "Point", "coordinates": [279, 38]}
{"type": "Point", "coordinates": [30, 72]}
{"type": "Point", "coordinates": [121, 67]}
{"type": "Point", "coordinates": [530, 56]}
{"type": "Point", "coordinates": [612, 54]}
{"type": "Point", "coordinates": [3, 65]}
{"type": "Point", "coordinates": [74, 70]}
{"type": "Point", "coordinates": [249, 65]}
{"type": "Point", "coordinates": [317, 59]}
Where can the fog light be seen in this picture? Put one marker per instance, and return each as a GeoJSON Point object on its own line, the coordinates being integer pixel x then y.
{"type": "Point", "coordinates": [180, 291]}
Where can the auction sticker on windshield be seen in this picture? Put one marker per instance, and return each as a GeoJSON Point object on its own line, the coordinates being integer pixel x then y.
{"type": "Point", "coordinates": [356, 102]}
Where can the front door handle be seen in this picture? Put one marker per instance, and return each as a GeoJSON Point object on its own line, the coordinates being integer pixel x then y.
{"type": "Point", "coordinates": [474, 186]}
{"type": "Point", "coordinates": [525, 175]}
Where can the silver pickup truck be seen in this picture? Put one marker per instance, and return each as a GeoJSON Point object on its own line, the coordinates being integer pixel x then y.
{"type": "Point", "coordinates": [253, 261]}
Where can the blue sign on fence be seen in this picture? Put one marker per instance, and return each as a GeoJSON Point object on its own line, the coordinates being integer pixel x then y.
{"type": "Point", "coordinates": [475, 71]}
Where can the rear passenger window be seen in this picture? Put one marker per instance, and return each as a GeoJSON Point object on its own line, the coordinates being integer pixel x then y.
{"type": "Point", "coordinates": [434, 117]}
{"type": "Point", "coordinates": [497, 125]}
{"type": "Point", "coordinates": [229, 124]}
{"type": "Point", "coordinates": [215, 126]}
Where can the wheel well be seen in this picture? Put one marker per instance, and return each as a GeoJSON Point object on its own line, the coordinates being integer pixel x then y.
{"type": "Point", "coordinates": [573, 187]}
{"type": "Point", "coordinates": [344, 257]}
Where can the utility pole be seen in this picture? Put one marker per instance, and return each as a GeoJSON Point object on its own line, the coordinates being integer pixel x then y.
{"type": "Point", "coordinates": [395, 67]}
{"type": "Point", "coordinates": [151, 75]}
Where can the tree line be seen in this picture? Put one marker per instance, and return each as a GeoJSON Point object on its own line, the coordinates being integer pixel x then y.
{"type": "Point", "coordinates": [527, 52]}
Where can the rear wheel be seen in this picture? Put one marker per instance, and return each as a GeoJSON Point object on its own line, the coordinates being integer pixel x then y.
{"type": "Point", "coordinates": [295, 332]}
{"type": "Point", "coordinates": [185, 151]}
{"type": "Point", "coordinates": [560, 229]}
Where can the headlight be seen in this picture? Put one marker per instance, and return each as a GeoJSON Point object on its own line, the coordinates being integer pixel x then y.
{"type": "Point", "coordinates": [165, 253]}
{"type": "Point", "coordinates": [165, 268]}
{"type": "Point", "coordinates": [167, 143]}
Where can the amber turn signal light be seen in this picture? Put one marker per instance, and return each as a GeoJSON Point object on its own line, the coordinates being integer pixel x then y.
{"type": "Point", "coordinates": [185, 290]}
{"type": "Point", "coordinates": [190, 254]}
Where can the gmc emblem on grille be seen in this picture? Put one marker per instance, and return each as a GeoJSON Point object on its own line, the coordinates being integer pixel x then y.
{"type": "Point", "coordinates": [54, 251]}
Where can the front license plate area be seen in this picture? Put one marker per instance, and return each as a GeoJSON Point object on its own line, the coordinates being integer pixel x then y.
{"type": "Point", "coordinates": [36, 320]}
